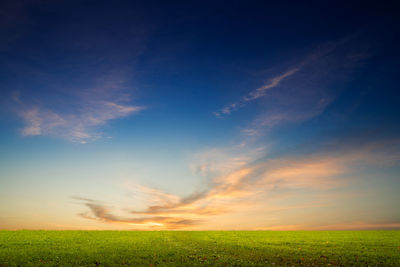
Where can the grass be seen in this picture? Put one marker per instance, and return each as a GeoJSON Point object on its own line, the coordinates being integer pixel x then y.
{"type": "Point", "coordinates": [210, 248]}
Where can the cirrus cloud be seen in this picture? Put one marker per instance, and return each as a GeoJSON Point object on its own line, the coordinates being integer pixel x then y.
{"type": "Point", "coordinates": [81, 121]}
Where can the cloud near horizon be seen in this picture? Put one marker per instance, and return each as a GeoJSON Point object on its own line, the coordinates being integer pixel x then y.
{"type": "Point", "coordinates": [240, 189]}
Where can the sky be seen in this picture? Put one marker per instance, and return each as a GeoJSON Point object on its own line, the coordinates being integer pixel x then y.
{"type": "Point", "coordinates": [197, 115]}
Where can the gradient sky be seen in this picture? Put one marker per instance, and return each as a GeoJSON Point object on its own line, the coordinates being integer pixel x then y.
{"type": "Point", "coordinates": [199, 115]}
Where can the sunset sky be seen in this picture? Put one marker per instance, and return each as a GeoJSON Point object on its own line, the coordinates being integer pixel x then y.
{"type": "Point", "coordinates": [242, 115]}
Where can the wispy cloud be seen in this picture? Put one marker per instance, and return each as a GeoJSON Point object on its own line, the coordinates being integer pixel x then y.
{"type": "Point", "coordinates": [101, 212]}
{"type": "Point", "coordinates": [241, 188]}
{"type": "Point", "coordinates": [83, 82]}
{"type": "Point", "coordinates": [82, 119]}
{"type": "Point", "coordinates": [257, 93]}
{"type": "Point", "coordinates": [305, 88]}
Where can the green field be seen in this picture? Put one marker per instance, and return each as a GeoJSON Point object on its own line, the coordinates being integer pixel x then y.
{"type": "Point", "coordinates": [212, 248]}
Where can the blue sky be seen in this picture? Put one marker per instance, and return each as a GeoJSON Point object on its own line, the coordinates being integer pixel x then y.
{"type": "Point", "coordinates": [202, 115]}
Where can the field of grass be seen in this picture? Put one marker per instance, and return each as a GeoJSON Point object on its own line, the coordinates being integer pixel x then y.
{"type": "Point", "coordinates": [210, 248]}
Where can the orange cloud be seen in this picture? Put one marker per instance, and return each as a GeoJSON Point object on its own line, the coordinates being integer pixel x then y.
{"type": "Point", "coordinates": [242, 189]}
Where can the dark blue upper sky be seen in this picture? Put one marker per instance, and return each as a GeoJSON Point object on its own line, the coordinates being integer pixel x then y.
{"type": "Point", "coordinates": [176, 95]}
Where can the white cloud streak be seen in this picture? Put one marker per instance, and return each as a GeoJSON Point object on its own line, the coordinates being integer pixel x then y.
{"type": "Point", "coordinates": [255, 94]}
{"type": "Point", "coordinates": [330, 61]}
{"type": "Point", "coordinates": [82, 119]}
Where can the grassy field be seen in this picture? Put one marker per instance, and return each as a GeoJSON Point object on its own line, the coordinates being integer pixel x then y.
{"type": "Point", "coordinates": [212, 248]}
